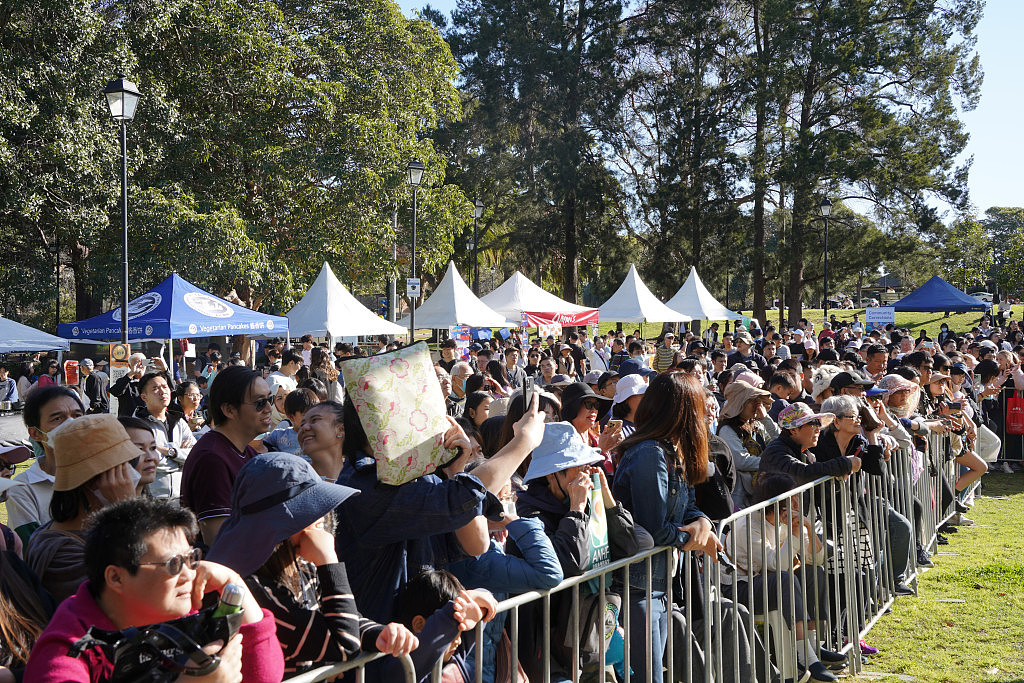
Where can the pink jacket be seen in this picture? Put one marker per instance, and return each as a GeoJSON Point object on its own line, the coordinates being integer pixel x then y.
{"type": "Point", "coordinates": [261, 653]}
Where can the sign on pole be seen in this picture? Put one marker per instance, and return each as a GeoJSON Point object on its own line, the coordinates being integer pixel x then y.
{"type": "Point", "coordinates": [878, 317]}
{"type": "Point", "coordinates": [412, 287]}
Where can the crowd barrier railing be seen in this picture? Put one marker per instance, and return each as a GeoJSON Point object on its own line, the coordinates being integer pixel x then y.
{"type": "Point", "coordinates": [357, 668]}
{"type": "Point", "coordinates": [719, 631]}
{"type": "Point", "coordinates": [1012, 449]}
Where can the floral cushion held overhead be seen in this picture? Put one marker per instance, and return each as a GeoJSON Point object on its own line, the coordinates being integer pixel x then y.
{"type": "Point", "coordinates": [400, 405]}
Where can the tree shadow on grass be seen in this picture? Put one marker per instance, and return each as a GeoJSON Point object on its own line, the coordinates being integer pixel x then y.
{"type": "Point", "coordinates": [999, 484]}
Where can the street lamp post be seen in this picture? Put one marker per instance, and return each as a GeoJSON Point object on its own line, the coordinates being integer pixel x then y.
{"type": "Point", "coordinates": [478, 211]}
{"type": "Point", "coordinates": [122, 99]}
{"type": "Point", "coordinates": [415, 170]}
{"type": "Point", "coordinates": [826, 209]}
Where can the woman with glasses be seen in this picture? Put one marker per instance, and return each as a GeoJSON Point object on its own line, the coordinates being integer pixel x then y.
{"type": "Point", "coordinates": [190, 400]}
{"type": "Point", "coordinates": [143, 568]}
{"type": "Point", "coordinates": [95, 459]}
{"type": "Point", "coordinates": [790, 453]}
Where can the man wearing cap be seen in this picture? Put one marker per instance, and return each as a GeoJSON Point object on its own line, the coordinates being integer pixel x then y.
{"type": "Point", "coordinates": [95, 389]}
{"type": "Point", "coordinates": [665, 354]}
{"type": "Point", "coordinates": [744, 353]}
{"type": "Point", "coordinates": [850, 384]}
{"type": "Point", "coordinates": [635, 366]}
{"type": "Point", "coordinates": [790, 454]}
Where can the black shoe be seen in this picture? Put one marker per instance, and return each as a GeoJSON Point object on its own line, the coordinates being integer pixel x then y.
{"type": "Point", "coordinates": [960, 507]}
{"type": "Point", "coordinates": [820, 672]}
{"type": "Point", "coordinates": [836, 661]}
{"type": "Point", "coordinates": [924, 559]}
{"type": "Point", "coordinates": [949, 529]}
{"type": "Point", "coordinates": [903, 589]}
{"type": "Point", "coordinates": [941, 540]}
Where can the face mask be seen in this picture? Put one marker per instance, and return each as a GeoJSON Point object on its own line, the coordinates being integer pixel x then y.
{"type": "Point", "coordinates": [37, 446]}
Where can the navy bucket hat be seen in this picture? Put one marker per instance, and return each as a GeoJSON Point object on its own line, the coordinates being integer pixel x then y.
{"type": "Point", "coordinates": [275, 496]}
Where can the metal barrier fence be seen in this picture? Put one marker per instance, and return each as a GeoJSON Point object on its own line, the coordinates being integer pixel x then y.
{"type": "Point", "coordinates": [840, 579]}
{"type": "Point", "coordinates": [1012, 444]}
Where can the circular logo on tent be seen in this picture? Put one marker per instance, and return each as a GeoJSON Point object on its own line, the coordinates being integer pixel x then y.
{"type": "Point", "coordinates": [192, 329]}
{"type": "Point", "coordinates": [208, 305]}
{"type": "Point", "coordinates": [141, 306]}
{"type": "Point", "coordinates": [149, 330]}
{"type": "Point", "coordinates": [74, 331]}
{"type": "Point", "coordinates": [270, 324]}
{"type": "Point", "coordinates": [119, 352]}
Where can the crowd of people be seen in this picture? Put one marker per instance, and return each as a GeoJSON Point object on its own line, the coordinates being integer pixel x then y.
{"type": "Point", "coordinates": [264, 479]}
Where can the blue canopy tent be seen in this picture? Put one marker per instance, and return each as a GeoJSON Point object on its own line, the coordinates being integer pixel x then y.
{"type": "Point", "coordinates": [176, 309]}
{"type": "Point", "coordinates": [937, 296]}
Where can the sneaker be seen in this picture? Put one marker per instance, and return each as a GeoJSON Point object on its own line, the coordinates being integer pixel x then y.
{"type": "Point", "coordinates": [1005, 468]}
{"type": "Point", "coordinates": [820, 672]}
{"type": "Point", "coordinates": [960, 520]}
{"type": "Point", "coordinates": [960, 507]}
{"type": "Point", "coordinates": [941, 540]}
{"type": "Point", "coordinates": [835, 661]}
{"type": "Point", "coordinates": [867, 649]}
{"type": "Point", "coordinates": [903, 589]}
{"type": "Point", "coordinates": [948, 528]}
{"type": "Point", "coordinates": [924, 559]}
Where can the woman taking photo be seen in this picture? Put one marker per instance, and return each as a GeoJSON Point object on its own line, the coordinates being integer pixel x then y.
{"type": "Point", "coordinates": [745, 427]}
{"type": "Point", "coordinates": [661, 463]}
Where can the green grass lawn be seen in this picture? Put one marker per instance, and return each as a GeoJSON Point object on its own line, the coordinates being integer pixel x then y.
{"type": "Point", "coordinates": [980, 637]}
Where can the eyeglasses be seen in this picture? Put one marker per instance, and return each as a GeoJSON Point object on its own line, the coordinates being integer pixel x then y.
{"type": "Point", "coordinates": [261, 404]}
{"type": "Point", "coordinates": [855, 418]}
{"type": "Point", "coordinates": [175, 564]}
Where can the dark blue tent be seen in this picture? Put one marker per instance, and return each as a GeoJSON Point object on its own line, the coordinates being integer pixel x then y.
{"type": "Point", "coordinates": [936, 296]}
{"type": "Point", "coordinates": [176, 309]}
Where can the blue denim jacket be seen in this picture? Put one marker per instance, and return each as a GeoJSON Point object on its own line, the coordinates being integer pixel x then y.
{"type": "Point", "coordinates": [384, 534]}
{"type": "Point", "coordinates": [660, 501]}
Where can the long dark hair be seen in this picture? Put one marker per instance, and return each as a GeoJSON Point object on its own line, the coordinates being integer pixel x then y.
{"type": "Point", "coordinates": [673, 410]}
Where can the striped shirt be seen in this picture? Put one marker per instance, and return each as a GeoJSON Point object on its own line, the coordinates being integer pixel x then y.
{"type": "Point", "coordinates": [321, 626]}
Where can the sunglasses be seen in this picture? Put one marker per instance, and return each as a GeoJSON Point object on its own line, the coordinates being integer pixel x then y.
{"type": "Point", "coordinates": [591, 404]}
{"type": "Point", "coordinates": [814, 423]}
{"type": "Point", "coordinates": [261, 404]}
{"type": "Point", "coordinates": [175, 564]}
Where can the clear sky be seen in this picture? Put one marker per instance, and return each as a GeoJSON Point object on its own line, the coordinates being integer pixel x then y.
{"type": "Point", "coordinates": [996, 126]}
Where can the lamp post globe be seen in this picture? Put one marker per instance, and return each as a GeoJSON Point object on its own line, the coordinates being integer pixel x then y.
{"type": "Point", "coordinates": [825, 207]}
{"type": "Point", "coordinates": [478, 211]}
{"type": "Point", "coordinates": [415, 169]}
{"type": "Point", "coordinates": [122, 100]}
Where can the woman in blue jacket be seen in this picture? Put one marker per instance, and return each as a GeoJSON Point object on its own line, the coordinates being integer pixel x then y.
{"type": "Point", "coordinates": [661, 463]}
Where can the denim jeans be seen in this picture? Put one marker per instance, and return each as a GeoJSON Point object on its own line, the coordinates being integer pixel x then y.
{"type": "Point", "coordinates": [899, 542]}
{"type": "Point", "coordinates": [638, 635]}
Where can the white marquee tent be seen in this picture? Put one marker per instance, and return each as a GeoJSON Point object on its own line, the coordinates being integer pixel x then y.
{"type": "Point", "coordinates": [328, 309]}
{"type": "Point", "coordinates": [694, 299]}
{"type": "Point", "coordinates": [519, 295]}
{"type": "Point", "coordinates": [633, 302]}
{"type": "Point", "coordinates": [453, 303]}
{"type": "Point", "coordinates": [17, 337]}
